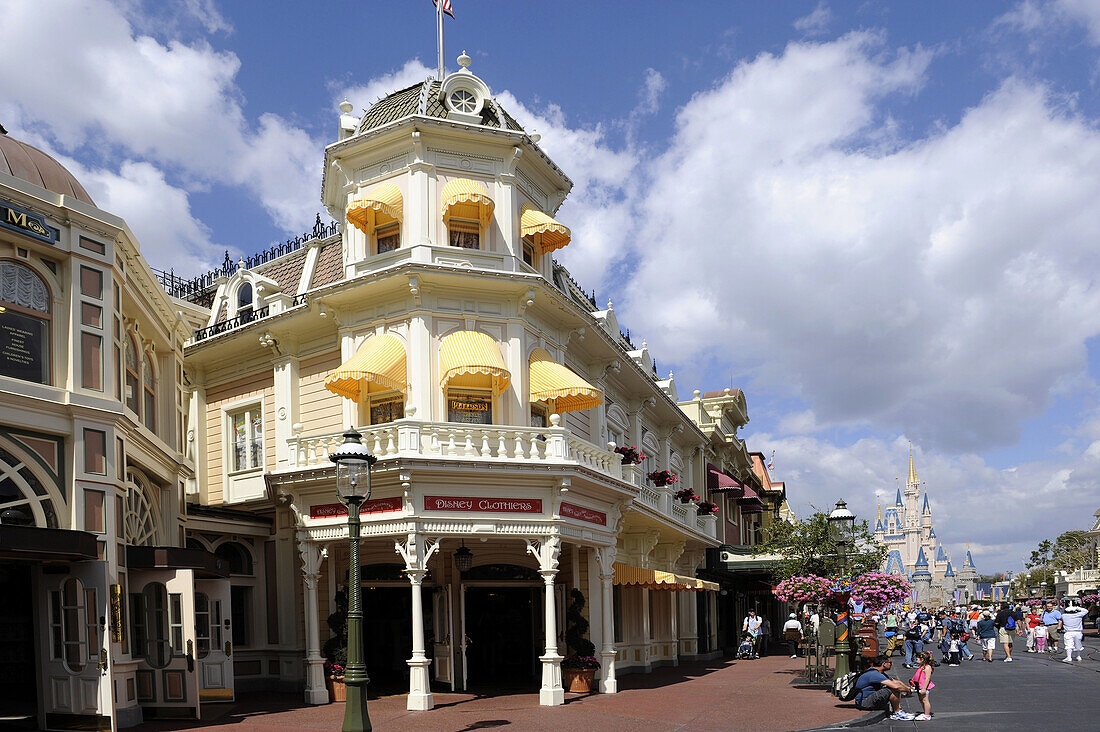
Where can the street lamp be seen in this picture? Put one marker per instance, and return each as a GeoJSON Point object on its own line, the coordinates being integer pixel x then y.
{"type": "Point", "coordinates": [842, 529]}
{"type": "Point", "coordinates": [353, 464]}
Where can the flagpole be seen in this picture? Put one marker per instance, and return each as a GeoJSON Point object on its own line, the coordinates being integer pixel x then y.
{"type": "Point", "coordinates": [439, 35]}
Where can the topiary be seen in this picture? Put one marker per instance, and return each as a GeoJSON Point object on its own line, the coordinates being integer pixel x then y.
{"type": "Point", "coordinates": [576, 627]}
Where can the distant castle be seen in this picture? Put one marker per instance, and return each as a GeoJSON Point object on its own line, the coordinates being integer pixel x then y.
{"type": "Point", "coordinates": [914, 550]}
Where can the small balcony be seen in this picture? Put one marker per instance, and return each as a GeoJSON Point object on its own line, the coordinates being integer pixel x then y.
{"type": "Point", "coordinates": [499, 444]}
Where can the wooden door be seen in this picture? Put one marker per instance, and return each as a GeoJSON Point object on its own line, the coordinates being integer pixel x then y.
{"type": "Point", "coordinates": [214, 640]}
{"type": "Point", "coordinates": [443, 647]}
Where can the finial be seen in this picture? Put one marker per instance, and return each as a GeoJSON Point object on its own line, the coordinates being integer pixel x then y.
{"type": "Point", "coordinates": [644, 344]}
{"type": "Point", "coordinates": [609, 305]}
{"type": "Point", "coordinates": [696, 393]}
{"type": "Point", "coordinates": [912, 467]}
{"type": "Point", "coordinates": [670, 374]}
{"type": "Point", "coordinates": [346, 106]}
{"type": "Point", "coordinates": [464, 61]}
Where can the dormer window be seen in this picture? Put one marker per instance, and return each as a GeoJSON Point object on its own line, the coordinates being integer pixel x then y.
{"type": "Point", "coordinates": [464, 100]}
{"type": "Point", "coordinates": [244, 302]}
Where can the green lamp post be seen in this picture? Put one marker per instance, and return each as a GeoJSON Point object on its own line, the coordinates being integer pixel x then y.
{"type": "Point", "coordinates": [842, 526]}
{"type": "Point", "coordinates": [353, 465]}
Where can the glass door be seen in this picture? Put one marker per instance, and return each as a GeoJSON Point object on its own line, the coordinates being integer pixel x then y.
{"type": "Point", "coordinates": [214, 640]}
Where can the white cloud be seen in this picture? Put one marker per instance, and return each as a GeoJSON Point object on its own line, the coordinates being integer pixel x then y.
{"type": "Point", "coordinates": [365, 95]}
{"type": "Point", "coordinates": [816, 22]}
{"type": "Point", "coordinates": [940, 287]}
{"type": "Point", "coordinates": [1036, 16]}
{"type": "Point", "coordinates": [653, 87]}
{"type": "Point", "coordinates": [1086, 12]}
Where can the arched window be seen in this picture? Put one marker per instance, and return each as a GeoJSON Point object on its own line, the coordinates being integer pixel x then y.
{"type": "Point", "coordinates": [24, 324]}
{"type": "Point", "coordinates": [139, 519]}
{"type": "Point", "coordinates": [133, 381]}
{"type": "Point", "coordinates": [149, 388]}
{"type": "Point", "coordinates": [236, 557]}
{"type": "Point", "coordinates": [73, 625]}
{"type": "Point", "coordinates": [244, 302]}
{"type": "Point", "coordinates": [23, 498]}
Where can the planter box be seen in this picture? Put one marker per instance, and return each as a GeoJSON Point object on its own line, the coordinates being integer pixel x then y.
{"type": "Point", "coordinates": [579, 680]}
{"type": "Point", "coordinates": [337, 690]}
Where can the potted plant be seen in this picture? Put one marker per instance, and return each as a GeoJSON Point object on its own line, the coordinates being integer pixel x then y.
{"type": "Point", "coordinates": [662, 478]}
{"type": "Point", "coordinates": [706, 508]}
{"type": "Point", "coordinates": [685, 495]}
{"type": "Point", "coordinates": [630, 455]}
{"type": "Point", "coordinates": [335, 648]}
{"type": "Point", "coordinates": [579, 668]}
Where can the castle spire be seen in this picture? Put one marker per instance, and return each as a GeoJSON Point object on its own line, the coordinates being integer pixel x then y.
{"type": "Point", "coordinates": [880, 508]}
{"type": "Point", "coordinates": [912, 467]}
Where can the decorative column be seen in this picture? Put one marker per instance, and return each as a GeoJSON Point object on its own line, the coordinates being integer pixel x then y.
{"type": "Point", "coordinates": [312, 554]}
{"type": "Point", "coordinates": [605, 555]}
{"type": "Point", "coordinates": [416, 555]}
{"type": "Point", "coordinates": [546, 551]}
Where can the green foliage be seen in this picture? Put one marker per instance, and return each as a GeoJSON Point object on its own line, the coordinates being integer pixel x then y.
{"type": "Point", "coordinates": [576, 627]}
{"type": "Point", "coordinates": [806, 548]}
{"type": "Point", "coordinates": [335, 648]}
{"type": "Point", "coordinates": [1067, 553]}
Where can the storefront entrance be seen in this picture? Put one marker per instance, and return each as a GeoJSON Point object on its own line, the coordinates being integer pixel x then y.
{"type": "Point", "coordinates": [502, 637]}
{"type": "Point", "coordinates": [18, 691]}
{"type": "Point", "coordinates": [387, 637]}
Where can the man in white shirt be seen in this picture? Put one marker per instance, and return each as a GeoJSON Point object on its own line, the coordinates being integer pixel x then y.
{"type": "Point", "coordinates": [792, 633]}
{"type": "Point", "coordinates": [752, 627]}
{"type": "Point", "coordinates": [815, 622]}
{"type": "Point", "coordinates": [1073, 630]}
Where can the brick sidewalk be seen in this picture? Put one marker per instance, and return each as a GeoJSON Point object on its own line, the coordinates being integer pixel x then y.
{"type": "Point", "coordinates": [695, 697]}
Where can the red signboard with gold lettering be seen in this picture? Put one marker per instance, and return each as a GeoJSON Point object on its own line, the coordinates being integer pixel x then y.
{"type": "Point", "coordinates": [569, 510]}
{"type": "Point", "coordinates": [378, 505]}
{"type": "Point", "coordinates": [489, 505]}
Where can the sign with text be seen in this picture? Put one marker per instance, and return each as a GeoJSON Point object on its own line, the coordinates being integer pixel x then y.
{"type": "Point", "coordinates": [26, 222]}
{"type": "Point", "coordinates": [573, 511]}
{"type": "Point", "coordinates": [23, 347]}
{"type": "Point", "coordinates": [378, 505]}
{"type": "Point", "coordinates": [487, 505]}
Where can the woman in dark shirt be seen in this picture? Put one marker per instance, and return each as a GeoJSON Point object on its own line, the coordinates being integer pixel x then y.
{"type": "Point", "coordinates": [987, 635]}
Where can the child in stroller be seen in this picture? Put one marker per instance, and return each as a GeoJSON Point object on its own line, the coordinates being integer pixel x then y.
{"type": "Point", "coordinates": [747, 649]}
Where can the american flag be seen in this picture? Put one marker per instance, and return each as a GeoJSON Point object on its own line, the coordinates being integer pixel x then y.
{"type": "Point", "coordinates": [446, 6]}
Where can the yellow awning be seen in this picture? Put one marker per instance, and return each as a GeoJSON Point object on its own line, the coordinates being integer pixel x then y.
{"type": "Point", "coordinates": [379, 205]}
{"type": "Point", "coordinates": [655, 579]}
{"type": "Point", "coordinates": [381, 361]}
{"type": "Point", "coordinates": [470, 192]}
{"type": "Point", "coordinates": [548, 234]}
{"type": "Point", "coordinates": [472, 352]}
{"type": "Point", "coordinates": [558, 386]}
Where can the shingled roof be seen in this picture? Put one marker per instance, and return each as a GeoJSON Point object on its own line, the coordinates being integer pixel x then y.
{"type": "Point", "coordinates": [423, 99]}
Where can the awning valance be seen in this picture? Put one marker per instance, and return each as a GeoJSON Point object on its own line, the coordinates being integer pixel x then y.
{"type": "Point", "coordinates": [719, 482]}
{"type": "Point", "coordinates": [750, 502]}
{"type": "Point", "coordinates": [465, 191]}
{"type": "Point", "coordinates": [547, 233]}
{"type": "Point", "coordinates": [379, 205]}
{"type": "Point", "coordinates": [472, 352]}
{"type": "Point", "coordinates": [655, 579]}
{"type": "Point", "coordinates": [380, 361]}
{"type": "Point", "coordinates": [559, 386]}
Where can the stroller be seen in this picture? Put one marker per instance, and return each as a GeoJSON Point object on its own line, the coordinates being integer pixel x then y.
{"type": "Point", "coordinates": [747, 649]}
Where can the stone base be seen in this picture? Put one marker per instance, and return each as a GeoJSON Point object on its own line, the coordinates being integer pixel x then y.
{"type": "Point", "coordinates": [317, 696]}
{"type": "Point", "coordinates": [552, 693]}
{"type": "Point", "coordinates": [420, 691]}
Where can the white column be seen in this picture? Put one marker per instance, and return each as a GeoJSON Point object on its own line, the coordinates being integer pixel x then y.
{"type": "Point", "coordinates": [416, 557]}
{"type": "Point", "coordinates": [312, 554]}
{"type": "Point", "coordinates": [647, 629]}
{"type": "Point", "coordinates": [551, 694]}
{"type": "Point", "coordinates": [286, 407]}
{"type": "Point", "coordinates": [673, 611]}
{"type": "Point", "coordinates": [605, 555]}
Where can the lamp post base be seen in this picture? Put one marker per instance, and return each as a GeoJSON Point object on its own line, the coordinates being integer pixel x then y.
{"type": "Point", "coordinates": [552, 693]}
{"type": "Point", "coordinates": [420, 694]}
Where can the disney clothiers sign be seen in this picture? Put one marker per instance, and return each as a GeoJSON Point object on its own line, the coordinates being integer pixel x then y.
{"type": "Point", "coordinates": [489, 505]}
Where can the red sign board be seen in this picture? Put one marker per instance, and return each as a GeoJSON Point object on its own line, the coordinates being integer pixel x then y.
{"type": "Point", "coordinates": [570, 510]}
{"type": "Point", "coordinates": [378, 505]}
{"type": "Point", "coordinates": [487, 505]}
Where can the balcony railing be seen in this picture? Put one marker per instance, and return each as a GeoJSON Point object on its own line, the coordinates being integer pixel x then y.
{"type": "Point", "coordinates": [497, 443]}
{"type": "Point", "coordinates": [232, 323]}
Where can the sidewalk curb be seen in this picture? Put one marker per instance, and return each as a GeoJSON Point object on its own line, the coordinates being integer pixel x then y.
{"type": "Point", "coordinates": [865, 721]}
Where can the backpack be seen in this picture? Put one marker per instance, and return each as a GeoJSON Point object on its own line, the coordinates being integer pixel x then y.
{"type": "Point", "coordinates": [913, 632]}
{"type": "Point", "coordinates": [845, 687]}
{"type": "Point", "coordinates": [1010, 623]}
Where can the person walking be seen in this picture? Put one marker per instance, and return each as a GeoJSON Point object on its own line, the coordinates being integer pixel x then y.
{"type": "Point", "coordinates": [916, 633]}
{"type": "Point", "coordinates": [987, 635]}
{"type": "Point", "coordinates": [893, 639]}
{"type": "Point", "coordinates": [792, 633]}
{"type": "Point", "coordinates": [1006, 628]}
{"type": "Point", "coordinates": [1034, 620]}
{"type": "Point", "coordinates": [752, 627]}
{"type": "Point", "coordinates": [1052, 619]}
{"type": "Point", "coordinates": [765, 634]}
{"type": "Point", "coordinates": [922, 683]}
{"type": "Point", "coordinates": [1073, 625]}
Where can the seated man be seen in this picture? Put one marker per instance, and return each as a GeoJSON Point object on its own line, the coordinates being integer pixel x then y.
{"type": "Point", "coordinates": [875, 690]}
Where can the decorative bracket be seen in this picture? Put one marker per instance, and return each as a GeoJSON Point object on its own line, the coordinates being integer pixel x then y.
{"type": "Point", "coordinates": [414, 289]}
{"type": "Point", "coordinates": [546, 551]}
{"type": "Point", "coordinates": [513, 159]}
{"type": "Point", "coordinates": [527, 300]}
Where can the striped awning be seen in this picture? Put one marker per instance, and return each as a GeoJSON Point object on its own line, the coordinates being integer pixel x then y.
{"type": "Point", "coordinates": [720, 482]}
{"type": "Point", "coordinates": [379, 205]}
{"type": "Point", "coordinates": [655, 579]}
{"type": "Point", "coordinates": [547, 233]}
{"type": "Point", "coordinates": [472, 352]}
{"type": "Point", "coordinates": [559, 386]}
{"type": "Point", "coordinates": [750, 502]}
{"type": "Point", "coordinates": [380, 361]}
{"type": "Point", "coordinates": [467, 199]}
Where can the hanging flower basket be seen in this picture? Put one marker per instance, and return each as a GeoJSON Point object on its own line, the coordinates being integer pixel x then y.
{"type": "Point", "coordinates": [706, 508]}
{"type": "Point", "coordinates": [685, 495]}
{"type": "Point", "coordinates": [809, 588]}
{"type": "Point", "coordinates": [630, 455]}
{"type": "Point", "coordinates": [877, 591]}
{"type": "Point", "coordinates": [662, 478]}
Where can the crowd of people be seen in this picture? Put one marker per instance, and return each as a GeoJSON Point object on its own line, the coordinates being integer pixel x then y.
{"type": "Point", "coordinates": [1047, 628]}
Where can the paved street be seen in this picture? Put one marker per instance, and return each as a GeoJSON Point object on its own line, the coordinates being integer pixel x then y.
{"type": "Point", "coordinates": [696, 697]}
{"type": "Point", "coordinates": [1034, 692]}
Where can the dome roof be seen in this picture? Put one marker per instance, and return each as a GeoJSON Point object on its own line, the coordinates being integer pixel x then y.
{"type": "Point", "coordinates": [34, 166]}
{"type": "Point", "coordinates": [423, 99]}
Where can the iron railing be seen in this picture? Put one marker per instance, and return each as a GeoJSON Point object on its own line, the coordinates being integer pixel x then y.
{"type": "Point", "coordinates": [228, 325]}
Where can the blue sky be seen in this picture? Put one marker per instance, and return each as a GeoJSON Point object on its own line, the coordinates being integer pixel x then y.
{"type": "Point", "coordinates": [877, 218]}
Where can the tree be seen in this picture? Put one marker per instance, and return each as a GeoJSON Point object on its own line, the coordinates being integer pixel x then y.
{"type": "Point", "coordinates": [805, 547]}
{"type": "Point", "coordinates": [1067, 553]}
